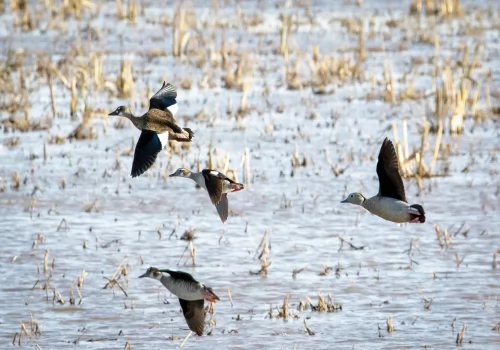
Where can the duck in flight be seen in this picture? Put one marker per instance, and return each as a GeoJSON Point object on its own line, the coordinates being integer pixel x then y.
{"type": "Point", "coordinates": [217, 185]}
{"type": "Point", "coordinates": [390, 203]}
{"type": "Point", "coordinates": [157, 126]}
{"type": "Point", "coordinates": [191, 293]}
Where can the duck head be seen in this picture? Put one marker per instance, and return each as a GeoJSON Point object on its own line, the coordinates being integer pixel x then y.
{"type": "Point", "coordinates": [355, 198]}
{"type": "Point", "coordinates": [153, 273]}
{"type": "Point", "coordinates": [122, 111]}
{"type": "Point", "coordinates": [182, 172]}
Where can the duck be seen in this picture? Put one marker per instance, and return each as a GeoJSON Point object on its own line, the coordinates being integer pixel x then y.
{"type": "Point", "coordinates": [217, 185]}
{"type": "Point", "coordinates": [390, 203]}
{"type": "Point", "coordinates": [157, 126]}
{"type": "Point", "coordinates": [191, 293]}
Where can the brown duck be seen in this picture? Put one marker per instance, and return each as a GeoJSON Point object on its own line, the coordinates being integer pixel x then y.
{"type": "Point", "coordinates": [157, 125]}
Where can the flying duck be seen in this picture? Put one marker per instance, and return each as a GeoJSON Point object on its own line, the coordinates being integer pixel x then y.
{"type": "Point", "coordinates": [390, 203]}
{"type": "Point", "coordinates": [191, 293]}
{"type": "Point", "coordinates": [157, 125]}
{"type": "Point", "coordinates": [217, 185]}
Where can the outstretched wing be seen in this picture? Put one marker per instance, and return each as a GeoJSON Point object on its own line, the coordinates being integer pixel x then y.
{"type": "Point", "coordinates": [164, 98]}
{"type": "Point", "coordinates": [146, 151]}
{"type": "Point", "coordinates": [194, 313]}
{"type": "Point", "coordinates": [391, 183]}
{"type": "Point", "coordinates": [223, 207]}
{"type": "Point", "coordinates": [214, 185]}
{"type": "Point", "coordinates": [219, 175]}
{"type": "Point", "coordinates": [180, 275]}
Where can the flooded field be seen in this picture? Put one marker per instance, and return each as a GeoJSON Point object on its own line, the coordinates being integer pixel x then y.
{"type": "Point", "coordinates": [291, 98]}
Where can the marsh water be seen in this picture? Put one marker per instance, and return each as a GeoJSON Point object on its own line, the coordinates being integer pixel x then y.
{"type": "Point", "coordinates": [76, 202]}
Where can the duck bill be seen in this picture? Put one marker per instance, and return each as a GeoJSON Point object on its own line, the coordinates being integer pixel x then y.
{"type": "Point", "coordinates": [143, 275]}
{"type": "Point", "coordinates": [344, 201]}
{"type": "Point", "coordinates": [113, 113]}
{"type": "Point", "coordinates": [173, 175]}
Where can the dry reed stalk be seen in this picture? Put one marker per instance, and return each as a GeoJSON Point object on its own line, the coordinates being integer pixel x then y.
{"type": "Point", "coordinates": [390, 327]}
{"type": "Point", "coordinates": [230, 297]}
{"type": "Point", "coordinates": [247, 168]}
{"type": "Point", "coordinates": [450, 8]}
{"type": "Point", "coordinates": [186, 338]}
{"type": "Point", "coordinates": [415, 7]}
{"type": "Point", "coordinates": [243, 102]}
{"type": "Point", "coordinates": [437, 147]}
{"type": "Point", "coordinates": [420, 163]}
{"type": "Point", "coordinates": [405, 138]}
{"type": "Point", "coordinates": [46, 263]}
{"type": "Point", "coordinates": [210, 157]}
{"type": "Point", "coordinates": [125, 80]}
{"type": "Point", "coordinates": [178, 31]}
{"type": "Point", "coordinates": [52, 97]}
{"type": "Point", "coordinates": [120, 12]}
{"type": "Point", "coordinates": [132, 11]}
{"type": "Point", "coordinates": [286, 24]}
{"type": "Point", "coordinates": [97, 64]}
{"type": "Point", "coordinates": [389, 86]}
{"type": "Point", "coordinates": [494, 264]}
{"type": "Point", "coordinates": [461, 335]}
{"type": "Point", "coordinates": [226, 164]}
{"type": "Point", "coordinates": [284, 310]}
{"type": "Point", "coordinates": [308, 330]}
{"type": "Point", "coordinates": [74, 100]}
{"type": "Point", "coordinates": [399, 152]}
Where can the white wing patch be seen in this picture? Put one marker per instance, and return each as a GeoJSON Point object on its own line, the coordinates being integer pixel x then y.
{"type": "Point", "coordinates": [163, 139]}
{"type": "Point", "coordinates": [413, 211]}
{"type": "Point", "coordinates": [173, 109]}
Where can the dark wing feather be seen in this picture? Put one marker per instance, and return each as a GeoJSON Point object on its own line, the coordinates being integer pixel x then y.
{"type": "Point", "coordinates": [391, 183]}
{"type": "Point", "coordinates": [194, 313]}
{"type": "Point", "coordinates": [146, 151]}
{"type": "Point", "coordinates": [223, 207]}
{"type": "Point", "coordinates": [219, 175]}
{"type": "Point", "coordinates": [180, 275]}
{"type": "Point", "coordinates": [214, 185]}
{"type": "Point", "coordinates": [165, 97]}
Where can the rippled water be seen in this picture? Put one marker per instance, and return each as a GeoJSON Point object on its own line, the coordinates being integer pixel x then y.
{"type": "Point", "coordinates": [134, 218]}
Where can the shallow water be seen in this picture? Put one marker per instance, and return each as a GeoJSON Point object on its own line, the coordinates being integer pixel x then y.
{"type": "Point", "coordinates": [137, 216]}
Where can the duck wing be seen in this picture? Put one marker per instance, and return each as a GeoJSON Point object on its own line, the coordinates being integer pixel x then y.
{"type": "Point", "coordinates": [214, 185]}
{"type": "Point", "coordinates": [180, 275]}
{"type": "Point", "coordinates": [146, 151]}
{"type": "Point", "coordinates": [223, 207]}
{"type": "Point", "coordinates": [164, 98]}
{"type": "Point", "coordinates": [194, 313]}
{"type": "Point", "coordinates": [220, 175]}
{"type": "Point", "coordinates": [391, 183]}
{"type": "Point", "coordinates": [163, 119]}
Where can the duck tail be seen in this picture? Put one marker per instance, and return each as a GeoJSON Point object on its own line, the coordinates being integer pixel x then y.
{"type": "Point", "coordinates": [190, 133]}
{"type": "Point", "coordinates": [235, 187]}
{"type": "Point", "coordinates": [185, 136]}
{"type": "Point", "coordinates": [421, 213]}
